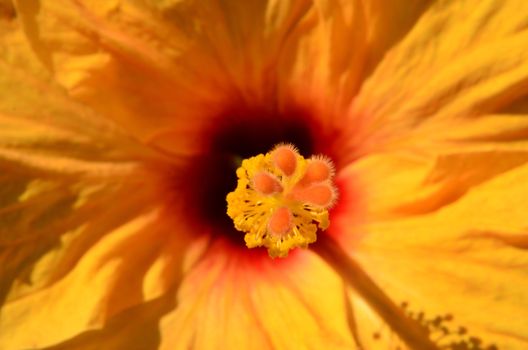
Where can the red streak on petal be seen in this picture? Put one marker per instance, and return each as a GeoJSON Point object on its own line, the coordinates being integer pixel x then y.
{"type": "Point", "coordinates": [347, 218]}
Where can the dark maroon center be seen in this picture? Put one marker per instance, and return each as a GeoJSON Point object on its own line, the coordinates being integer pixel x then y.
{"type": "Point", "coordinates": [236, 135]}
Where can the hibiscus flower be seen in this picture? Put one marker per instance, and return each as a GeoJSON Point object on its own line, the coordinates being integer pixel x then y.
{"type": "Point", "coordinates": [123, 123]}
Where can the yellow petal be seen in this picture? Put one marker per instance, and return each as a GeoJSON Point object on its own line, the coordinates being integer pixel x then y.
{"type": "Point", "coordinates": [44, 140]}
{"type": "Point", "coordinates": [176, 63]}
{"type": "Point", "coordinates": [242, 300]}
{"type": "Point", "coordinates": [75, 192]}
{"type": "Point", "coordinates": [105, 280]}
{"type": "Point", "coordinates": [387, 23]}
{"type": "Point", "coordinates": [325, 52]}
{"type": "Point", "coordinates": [462, 59]}
{"type": "Point", "coordinates": [335, 44]}
{"type": "Point", "coordinates": [467, 258]}
{"type": "Point", "coordinates": [7, 10]}
{"type": "Point", "coordinates": [371, 331]}
{"type": "Point", "coordinates": [126, 62]}
{"type": "Point", "coordinates": [135, 328]}
{"type": "Point", "coordinates": [118, 256]}
{"type": "Point", "coordinates": [413, 181]}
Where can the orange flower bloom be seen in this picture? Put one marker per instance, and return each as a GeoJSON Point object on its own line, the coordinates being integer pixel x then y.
{"type": "Point", "coordinates": [123, 123]}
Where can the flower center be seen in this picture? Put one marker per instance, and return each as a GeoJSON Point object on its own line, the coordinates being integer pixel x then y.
{"type": "Point", "coordinates": [281, 199]}
{"type": "Point", "coordinates": [209, 175]}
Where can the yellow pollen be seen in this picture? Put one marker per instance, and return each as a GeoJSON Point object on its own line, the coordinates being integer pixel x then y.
{"type": "Point", "coordinates": [282, 199]}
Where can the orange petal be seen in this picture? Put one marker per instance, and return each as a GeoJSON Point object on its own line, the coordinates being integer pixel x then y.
{"type": "Point", "coordinates": [232, 290]}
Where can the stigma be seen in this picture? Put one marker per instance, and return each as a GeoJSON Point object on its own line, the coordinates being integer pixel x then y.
{"type": "Point", "coordinates": [282, 199]}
